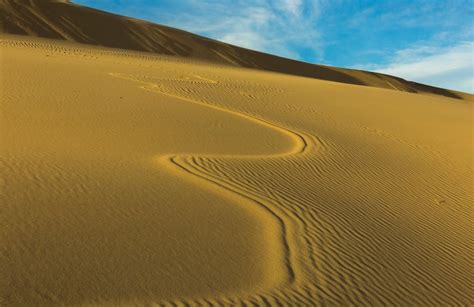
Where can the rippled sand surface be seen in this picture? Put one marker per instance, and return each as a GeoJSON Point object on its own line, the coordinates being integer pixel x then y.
{"type": "Point", "coordinates": [131, 178]}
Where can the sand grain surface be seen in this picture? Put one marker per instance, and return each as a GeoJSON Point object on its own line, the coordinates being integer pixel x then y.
{"type": "Point", "coordinates": [132, 179]}
{"type": "Point", "coordinates": [63, 20]}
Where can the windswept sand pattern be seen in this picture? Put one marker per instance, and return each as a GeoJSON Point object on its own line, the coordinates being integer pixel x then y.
{"type": "Point", "coordinates": [303, 192]}
{"type": "Point", "coordinates": [277, 182]}
{"type": "Point", "coordinates": [66, 21]}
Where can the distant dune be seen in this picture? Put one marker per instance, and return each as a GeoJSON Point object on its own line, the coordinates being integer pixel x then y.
{"type": "Point", "coordinates": [164, 178]}
{"type": "Point", "coordinates": [67, 21]}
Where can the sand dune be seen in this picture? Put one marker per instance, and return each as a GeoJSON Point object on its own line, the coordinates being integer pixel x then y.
{"type": "Point", "coordinates": [136, 178]}
{"type": "Point", "coordinates": [169, 181]}
{"type": "Point", "coordinates": [66, 21]}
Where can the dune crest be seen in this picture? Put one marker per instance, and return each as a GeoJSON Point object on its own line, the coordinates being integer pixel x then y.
{"type": "Point", "coordinates": [67, 21]}
{"type": "Point", "coordinates": [174, 182]}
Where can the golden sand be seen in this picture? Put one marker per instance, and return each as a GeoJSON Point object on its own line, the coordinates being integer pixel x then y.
{"type": "Point", "coordinates": [62, 20]}
{"type": "Point", "coordinates": [130, 178]}
{"type": "Point", "coordinates": [135, 179]}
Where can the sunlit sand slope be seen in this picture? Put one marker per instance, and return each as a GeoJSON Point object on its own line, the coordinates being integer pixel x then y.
{"type": "Point", "coordinates": [129, 178]}
{"type": "Point", "coordinates": [63, 20]}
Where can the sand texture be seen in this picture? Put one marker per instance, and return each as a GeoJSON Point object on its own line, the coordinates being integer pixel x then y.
{"type": "Point", "coordinates": [133, 178]}
{"type": "Point", "coordinates": [129, 179]}
{"type": "Point", "coordinates": [66, 21]}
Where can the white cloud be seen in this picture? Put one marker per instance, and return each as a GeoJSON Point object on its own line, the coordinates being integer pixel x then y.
{"type": "Point", "coordinates": [451, 67]}
{"type": "Point", "coordinates": [291, 7]}
{"type": "Point", "coordinates": [245, 30]}
{"type": "Point", "coordinates": [293, 28]}
{"type": "Point", "coordinates": [281, 27]}
{"type": "Point", "coordinates": [250, 40]}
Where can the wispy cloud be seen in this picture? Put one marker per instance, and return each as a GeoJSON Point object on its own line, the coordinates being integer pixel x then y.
{"type": "Point", "coordinates": [422, 40]}
{"type": "Point", "coordinates": [292, 7]}
{"type": "Point", "coordinates": [281, 27]}
{"type": "Point", "coordinates": [450, 67]}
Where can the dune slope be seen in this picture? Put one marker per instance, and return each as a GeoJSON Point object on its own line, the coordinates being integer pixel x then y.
{"type": "Point", "coordinates": [130, 178]}
{"type": "Point", "coordinates": [67, 21]}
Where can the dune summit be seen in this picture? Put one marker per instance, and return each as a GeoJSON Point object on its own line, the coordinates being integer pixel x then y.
{"type": "Point", "coordinates": [144, 165]}
{"type": "Point", "coordinates": [67, 21]}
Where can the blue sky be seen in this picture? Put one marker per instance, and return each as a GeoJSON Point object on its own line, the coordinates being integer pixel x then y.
{"type": "Point", "coordinates": [429, 41]}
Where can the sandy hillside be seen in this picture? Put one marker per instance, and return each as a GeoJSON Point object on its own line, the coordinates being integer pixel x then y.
{"type": "Point", "coordinates": [63, 20]}
{"type": "Point", "coordinates": [132, 178]}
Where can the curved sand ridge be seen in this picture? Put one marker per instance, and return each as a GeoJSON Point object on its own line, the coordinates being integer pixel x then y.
{"type": "Point", "coordinates": [186, 163]}
{"type": "Point", "coordinates": [376, 214]}
{"type": "Point", "coordinates": [311, 278]}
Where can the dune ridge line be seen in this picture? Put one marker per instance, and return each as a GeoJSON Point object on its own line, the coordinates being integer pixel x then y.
{"type": "Point", "coordinates": [122, 189]}
{"type": "Point", "coordinates": [186, 163]}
